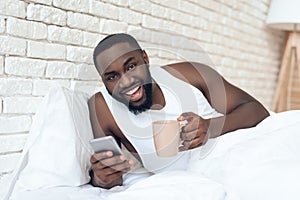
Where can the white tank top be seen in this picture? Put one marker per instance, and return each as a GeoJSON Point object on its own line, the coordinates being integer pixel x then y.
{"type": "Point", "coordinates": [180, 97]}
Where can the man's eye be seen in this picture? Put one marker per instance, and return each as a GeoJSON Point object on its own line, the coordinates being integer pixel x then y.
{"type": "Point", "coordinates": [111, 77]}
{"type": "Point", "coordinates": [131, 67]}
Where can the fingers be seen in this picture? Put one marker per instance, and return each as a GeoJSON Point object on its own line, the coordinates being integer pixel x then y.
{"type": "Point", "coordinates": [186, 116]}
{"type": "Point", "coordinates": [189, 135]}
{"type": "Point", "coordinates": [100, 156]}
{"type": "Point", "coordinates": [196, 142]}
{"type": "Point", "coordinates": [193, 121]}
{"type": "Point", "coordinates": [102, 170]}
{"type": "Point", "coordinates": [108, 168]}
{"type": "Point", "coordinates": [111, 162]}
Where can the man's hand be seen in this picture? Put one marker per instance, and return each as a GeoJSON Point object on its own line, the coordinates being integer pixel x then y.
{"type": "Point", "coordinates": [108, 169]}
{"type": "Point", "coordinates": [194, 133]}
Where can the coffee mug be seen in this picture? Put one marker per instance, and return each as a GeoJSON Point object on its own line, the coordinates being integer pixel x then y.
{"type": "Point", "coordinates": [166, 135]}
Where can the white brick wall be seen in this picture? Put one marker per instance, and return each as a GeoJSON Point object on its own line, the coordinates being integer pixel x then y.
{"type": "Point", "coordinates": [44, 43]}
{"type": "Point", "coordinates": [24, 105]}
{"type": "Point", "coordinates": [14, 124]}
{"type": "Point", "coordinates": [80, 6]}
{"type": "Point", "coordinates": [26, 29]}
{"type": "Point", "coordinates": [25, 66]}
{"type": "Point", "coordinates": [46, 50]}
{"type": "Point", "coordinates": [13, 46]}
{"type": "Point", "coordinates": [13, 8]}
{"type": "Point", "coordinates": [65, 35]}
{"type": "Point", "coordinates": [15, 86]}
{"type": "Point", "coordinates": [101, 9]}
{"type": "Point", "coordinates": [84, 22]}
{"type": "Point", "coordinates": [80, 54]}
{"type": "Point", "coordinates": [12, 143]}
{"type": "Point", "coordinates": [46, 14]}
{"type": "Point", "coordinates": [61, 70]}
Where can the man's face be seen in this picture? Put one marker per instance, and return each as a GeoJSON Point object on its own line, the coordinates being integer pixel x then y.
{"type": "Point", "coordinates": [126, 75]}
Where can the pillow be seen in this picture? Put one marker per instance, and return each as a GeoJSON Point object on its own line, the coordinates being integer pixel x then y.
{"type": "Point", "coordinates": [57, 151]}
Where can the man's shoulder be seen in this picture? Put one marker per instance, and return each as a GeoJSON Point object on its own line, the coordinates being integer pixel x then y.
{"type": "Point", "coordinates": [97, 97]}
{"type": "Point", "coordinates": [189, 72]}
{"type": "Point", "coordinates": [97, 102]}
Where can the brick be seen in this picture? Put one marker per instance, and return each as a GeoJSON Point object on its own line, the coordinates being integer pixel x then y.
{"type": "Point", "coordinates": [26, 29]}
{"type": "Point", "coordinates": [13, 8]}
{"type": "Point", "coordinates": [25, 66]}
{"type": "Point", "coordinates": [14, 124]}
{"type": "Point", "coordinates": [46, 50]}
{"type": "Point", "coordinates": [188, 7]}
{"type": "Point", "coordinates": [80, 54]}
{"type": "Point", "coordinates": [65, 35]}
{"type": "Point", "coordinates": [141, 6]}
{"type": "Point", "coordinates": [2, 24]}
{"type": "Point", "coordinates": [92, 39]}
{"type": "Point", "coordinates": [190, 32]}
{"type": "Point", "coordinates": [46, 14]}
{"type": "Point", "coordinates": [111, 26]}
{"type": "Point", "coordinates": [181, 17]}
{"type": "Point", "coordinates": [61, 70]}
{"type": "Point", "coordinates": [161, 38]}
{"type": "Point", "coordinates": [15, 86]}
{"type": "Point", "coordinates": [174, 27]}
{"type": "Point", "coordinates": [9, 162]}
{"type": "Point", "coordinates": [103, 9]}
{"type": "Point", "coordinates": [12, 143]}
{"type": "Point", "coordinates": [75, 5]}
{"type": "Point", "coordinates": [139, 34]}
{"type": "Point", "coordinates": [85, 22]}
{"type": "Point", "coordinates": [151, 22]}
{"type": "Point", "coordinates": [12, 46]}
{"type": "Point", "coordinates": [160, 11]}
{"type": "Point", "coordinates": [42, 87]}
{"type": "Point", "coordinates": [129, 16]}
{"type": "Point", "coordinates": [24, 105]}
{"type": "Point", "coordinates": [88, 72]}
{"type": "Point", "coordinates": [1, 64]}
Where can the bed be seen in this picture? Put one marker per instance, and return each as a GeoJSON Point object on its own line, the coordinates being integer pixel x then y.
{"type": "Point", "coordinates": [262, 162]}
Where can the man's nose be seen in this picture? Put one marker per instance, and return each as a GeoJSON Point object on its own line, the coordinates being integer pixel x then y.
{"type": "Point", "coordinates": [126, 80]}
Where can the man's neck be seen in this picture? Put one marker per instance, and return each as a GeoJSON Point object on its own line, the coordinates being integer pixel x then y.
{"type": "Point", "coordinates": [158, 99]}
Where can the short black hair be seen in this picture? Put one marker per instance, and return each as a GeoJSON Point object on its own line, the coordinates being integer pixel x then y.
{"type": "Point", "coordinates": [111, 40]}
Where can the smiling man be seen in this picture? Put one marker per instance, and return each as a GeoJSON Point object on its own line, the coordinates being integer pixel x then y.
{"type": "Point", "coordinates": [136, 94]}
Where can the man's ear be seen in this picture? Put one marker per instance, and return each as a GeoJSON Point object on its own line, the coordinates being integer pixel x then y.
{"type": "Point", "coordinates": [145, 57]}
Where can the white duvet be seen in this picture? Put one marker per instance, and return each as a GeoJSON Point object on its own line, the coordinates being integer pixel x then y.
{"type": "Point", "coordinates": [256, 163]}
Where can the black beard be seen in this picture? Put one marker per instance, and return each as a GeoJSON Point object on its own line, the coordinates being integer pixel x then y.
{"type": "Point", "coordinates": [146, 105]}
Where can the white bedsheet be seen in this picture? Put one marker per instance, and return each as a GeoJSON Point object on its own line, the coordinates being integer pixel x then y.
{"type": "Point", "coordinates": [256, 163]}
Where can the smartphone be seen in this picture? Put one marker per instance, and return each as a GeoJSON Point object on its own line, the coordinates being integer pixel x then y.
{"type": "Point", "coordinates": [107, 143]}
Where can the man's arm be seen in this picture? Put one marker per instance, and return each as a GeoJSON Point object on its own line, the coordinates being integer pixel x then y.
{"type": "Point", "coordinates": [239, 108]}
{"type": "Point", "coordinates": [107, 169]}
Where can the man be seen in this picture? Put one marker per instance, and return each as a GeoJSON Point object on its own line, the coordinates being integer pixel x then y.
{"type": "Point", "coordinates": [137, 93]}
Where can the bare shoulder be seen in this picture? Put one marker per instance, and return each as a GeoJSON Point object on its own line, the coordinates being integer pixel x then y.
{"type": "Point", "coordinates": [197, 74]}
{"type": "Point", "coordinates": [103, 122]}
{"type": "Point", "coordinates": [100, 115]}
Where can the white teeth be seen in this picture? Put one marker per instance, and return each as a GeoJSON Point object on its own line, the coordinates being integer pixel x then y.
{"type": "Point", "coordinates": [130, 92]}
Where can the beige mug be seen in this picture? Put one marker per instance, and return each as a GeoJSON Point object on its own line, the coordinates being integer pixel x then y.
{"type": "Point", "coordinates": [166, 135]}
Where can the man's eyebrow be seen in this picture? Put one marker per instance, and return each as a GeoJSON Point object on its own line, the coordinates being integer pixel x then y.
{"type": "Point", "coordinates": [127, 61]}
{"type": "Point", "coordinates": [108, 73]}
